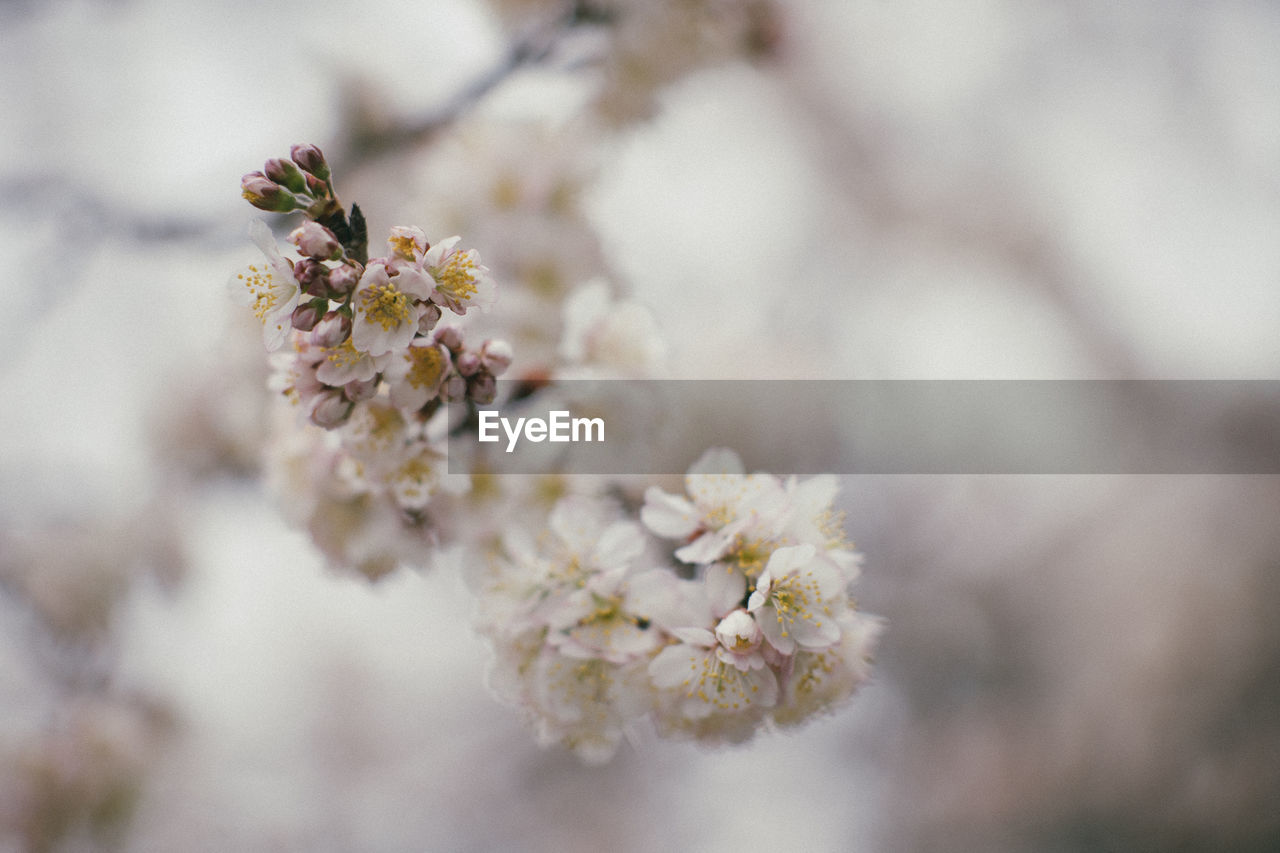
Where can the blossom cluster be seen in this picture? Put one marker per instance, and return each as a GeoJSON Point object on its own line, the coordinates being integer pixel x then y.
{"type": "Point", "coordinates": [708, 614]}
{"type": "Point", "coordinates": [595, 630]}
{"type": "Point", "coordinates": [369, 357]}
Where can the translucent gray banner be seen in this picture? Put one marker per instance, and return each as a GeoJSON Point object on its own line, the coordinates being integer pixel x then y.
{"type": "Point", "coordinates": [877, 427]}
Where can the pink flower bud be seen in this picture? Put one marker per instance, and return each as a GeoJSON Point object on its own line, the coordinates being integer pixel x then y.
{"type": "Point", "coordinates": [343, 280]}
{"type": "Point", "coordinates": [329, 408]}
{"type": "Point", "coordinates": [454, 389]}
{"type": "Point", "coordinates": [306, 315]}
{"type": "Point", "coordinates": [482, 388]}
{"type": "Point", "coordinates": [468, 362]}
{"type": "Point", "coordinates": [360, 389]}
{"type": "Point", "coordinates": [496, 355]}
{"type": "Point", "coordinates": [450, 336]}
{"type": "Point", "coordinates": [430, 316]}
{"type": "Point", "coordinates": [310, 160]}
{"type": "Point", "coordinates": [316, 187]}
{"type": "Point", "coordinates": [265, 194]}
{"type": "Point", "coordinates": [312, 276]}
{"type": "Point", "coordinates": [331, 331]}
{"type": "Point", "coordinates": [285, 173]}
{"type": "Point", "coordinates": [316, 241]}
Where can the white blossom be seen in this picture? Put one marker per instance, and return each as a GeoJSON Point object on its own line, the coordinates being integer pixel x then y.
{"type": "Point", "coordinates": [798, 599]}
{"type": "Point", "coordinates": [387, 308]}
{"type": "Point", "coordinates": [270, 289]}
{"type": "Point", "coordinates": [414, 374]}
{"type": "Point", "coordinates": [704, 683]}
{"type": "Point", "coordinates": [723, 500]}
{"type": "Point", "coordinates": [461, 281]}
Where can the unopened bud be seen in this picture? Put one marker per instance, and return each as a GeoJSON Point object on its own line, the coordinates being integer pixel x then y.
{"type": "Point", "coordinates": [332, 330]}
{"type": "Point", "coordinates": [285, 173]}
{"type": "Point", "coordinates": [310, 160]}
{"type": "Point", "coordinates": [450, 336]}
{"type": "Point", "coordinates": [312, 276]}
{"type": "Point", "coordinates": [454, 389]}
{"type": "Point", "coordinates": [482, 388]}
{"type": "Point", "coordinates": [496, 355]}
{"type": "Point", "coordinates": [306, 315]}
{"type": "Point", "coordinates": [329, 408]}
{"type": "Point", "coordinates": [265, 194]}
{"type": "Point", "coordinates": [316, 241]}
{"type": "Point", "coordinates": [316, 187]}
{"type": "Point", "coordinates": [430, 316]}
{"type": "Point", "coordinates": [468, 362]}
{"type": "Point", "coordinates": [343, 280]}
{"type": "Point", "coordinates": [360, 389]}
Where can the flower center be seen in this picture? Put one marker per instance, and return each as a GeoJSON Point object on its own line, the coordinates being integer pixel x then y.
{"type": "Point", "coordinates": [456, 278]}
{"type": "Point", "coordinates": [265, 294]}
{"type": "Point", "coordinates": [426, 366]}
{"type": "Point", "coordinates": [344, 355]}
{"type": "Point", "coordinates": [385, 305]}
{"type": "Point", "coordinates": [404, 246]}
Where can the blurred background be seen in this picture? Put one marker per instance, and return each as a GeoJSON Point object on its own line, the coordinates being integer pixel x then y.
{"type": "Point", "coordinates": [796, 189]}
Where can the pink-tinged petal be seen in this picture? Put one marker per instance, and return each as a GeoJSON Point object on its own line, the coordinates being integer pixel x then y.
{"type": "Point", "coordinates": [674, 665]}
{"type": "Point", "coordinates": [745, 662]}
{"type": "Point", "coordinates": [343, 364]}
{"type": "Point", "coordinates": [774, 631]}
{"type": "Point", "coordinates": [437, 252]}
{"type": "Point", "coordinates": [415, 283]}
{"type": "Point", "coordinates": [667, 515]}
{"type": "Point", "coordinates": [725, 588]}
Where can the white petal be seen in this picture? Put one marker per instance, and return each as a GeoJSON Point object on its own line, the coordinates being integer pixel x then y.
{"type": "Point", "coordinates": [696, 636]}
{"type": "Point", "coordinates": [717, 460]}
{"type": "Point", "coordinates": [831, 581]}
{"type": "Point", "coordinates": [260, 234]}
{"type": "Point", "coordinates": [666, 600]}
{"type": "Point", "coordinates": [668, 515]}
{"type": "Point", "coordinates": [767, 619]}
{"type": "Point", "coordinates": [814, 495]}
{"type": "Point", "coordinates": [275, 330]}
{"type": "Point", "coordinates": [785, 560]}
{"type": "Point", "coordinates": [767, 684]}
{"type": "Point", "coordinates": [818, 634]}
{"type": "Point", "coordinates": [673, 665]}
{"type": "Point", "coordinates": [620, 543]}
{"type": "Point", "coordinates": [725, 588]}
